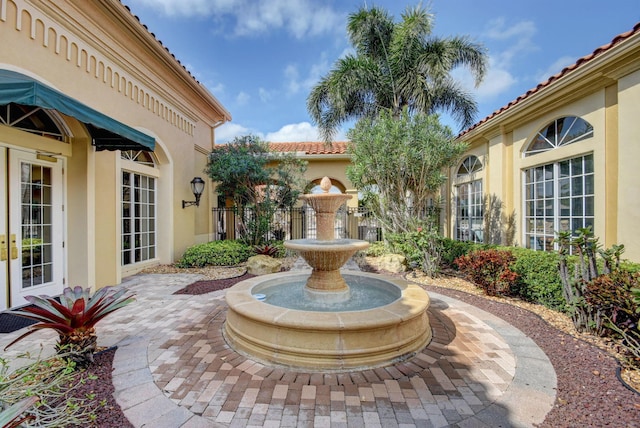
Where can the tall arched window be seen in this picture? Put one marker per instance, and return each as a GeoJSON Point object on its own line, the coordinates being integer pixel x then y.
{"type": "Point", "coordinates": [138, 207]}
{"type": "Point", "coordinates": [469, 205]}
{"type": "Point", "coordinates": [558, 196]}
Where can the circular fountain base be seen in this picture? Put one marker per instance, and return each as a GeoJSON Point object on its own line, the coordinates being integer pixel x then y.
{"type": "Point", "coordinates": [327, 340]}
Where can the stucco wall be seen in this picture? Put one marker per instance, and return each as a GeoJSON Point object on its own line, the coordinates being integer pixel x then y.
{"type": "Point", "coordinates": [99, 54]}
{"type": "Point", "coordinates": [628, 170]}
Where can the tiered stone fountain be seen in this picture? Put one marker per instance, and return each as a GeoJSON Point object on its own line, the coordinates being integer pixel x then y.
{"type": "Point", "coordinates": [327, 320]}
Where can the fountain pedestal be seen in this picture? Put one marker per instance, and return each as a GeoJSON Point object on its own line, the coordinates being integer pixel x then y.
{"type": "Point", "coordinates": [326, 255]}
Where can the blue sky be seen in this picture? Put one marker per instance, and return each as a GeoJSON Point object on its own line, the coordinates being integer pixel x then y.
{"type": "Point", "coordinates": [261, 58]}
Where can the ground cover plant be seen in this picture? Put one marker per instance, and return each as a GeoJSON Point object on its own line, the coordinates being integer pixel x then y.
{"type": "Point", "coordinates": [41, 394]}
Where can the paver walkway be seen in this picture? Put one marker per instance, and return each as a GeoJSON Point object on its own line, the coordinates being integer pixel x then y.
{"type": "Point", "coordinates": [173, 368]}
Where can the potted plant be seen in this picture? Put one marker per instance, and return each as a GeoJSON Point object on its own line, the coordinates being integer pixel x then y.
{"type": "Point", "coordinates": [74, 318]}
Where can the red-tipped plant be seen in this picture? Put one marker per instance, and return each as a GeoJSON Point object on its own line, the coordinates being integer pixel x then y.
{"type": "Point", "coordinates": [74, 317]}
{"type": "Point", "coordinates": [266, 250]}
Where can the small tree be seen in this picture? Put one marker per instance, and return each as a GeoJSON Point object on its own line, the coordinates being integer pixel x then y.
{"type": "Point", "coordinates": [257, 179]}
{"type": "Point", "coordinates": [400, 163]}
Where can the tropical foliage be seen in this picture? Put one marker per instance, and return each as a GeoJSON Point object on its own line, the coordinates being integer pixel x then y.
{"type": "Point", "coordinates": [41, 393]}
{"type": "Point", "coordinates": [74, 318]}
{"type": "Point", "coordinates": [490, 270]}
{"type": "Point", "coordinates": [247, 172]}
{"type": "Point", "coordinates": [400, 164]}
{"type": "Point", "coordinates": [396, 66]}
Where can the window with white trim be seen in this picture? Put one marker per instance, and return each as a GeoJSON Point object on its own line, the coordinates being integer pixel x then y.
{"type": "Point", "coordinates": [558, 197]}
{"type": "Point", "coordinates": [469, 204]}
{"type": "Point", "coordinates": [138, 215]}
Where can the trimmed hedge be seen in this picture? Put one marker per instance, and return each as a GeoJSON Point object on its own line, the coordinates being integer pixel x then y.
{"type": "Point", "coordinates": [539, 277]}
{"type": "Point", "coordinates": [452, 249]}
{"type": "Point", "coordinates": [215, 253]}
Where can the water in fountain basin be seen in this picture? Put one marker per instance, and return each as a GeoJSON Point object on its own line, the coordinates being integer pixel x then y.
{"type": "Point", "coordinates": [366, 293]}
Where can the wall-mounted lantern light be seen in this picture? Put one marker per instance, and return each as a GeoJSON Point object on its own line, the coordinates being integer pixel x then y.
{"type": "Point", "coordinates": [197, 187]}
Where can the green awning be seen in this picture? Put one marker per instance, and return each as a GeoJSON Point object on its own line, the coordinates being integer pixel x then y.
{"type": "Point", "coordinates": [106, 133]}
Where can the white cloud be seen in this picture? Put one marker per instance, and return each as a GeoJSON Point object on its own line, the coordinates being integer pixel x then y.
{"type": "Point", "coordinates": [555, 68]}
{"type": "Point", "coordinates": [496, 81]}
{"type": "Point", "coordinates": [292, 133]}
{"type": "Point", "coordinates": [229, 131]}
{"type": "Point", "coordinates": [242, 98]}
{"type": "Point", "coordinates": [294, 83]}
{"type": "Point", "coordinates": [296, 132]}
{"type": "Point", "coordinates": [292, 79]}
{"type": "Point", "coordinates": [299, 18]}
{"type": "Point", "coordinates": [300, 132]}
{"type": "Point", "coordinates": [265, 95]}
{"type": "Point", "coordinates": [516, 40]}
{"type": "Point", "coordinates": [217, 90]}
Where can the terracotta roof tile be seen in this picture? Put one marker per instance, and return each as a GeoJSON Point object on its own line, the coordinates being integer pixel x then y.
{"type": "Point", "coordinates": [581, 61]}
{"type": "Point", "coordinates": [311, 148]}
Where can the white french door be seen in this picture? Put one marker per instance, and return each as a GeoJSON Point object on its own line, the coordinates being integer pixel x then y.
{"type": "Point", "coordinates": [5, 250]}
{"type": "Point", "coordinates": [31, 226]}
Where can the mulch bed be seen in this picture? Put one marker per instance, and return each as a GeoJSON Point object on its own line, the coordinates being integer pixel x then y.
{"type": "Point", "coordinates": [589, 394]}
{"type": "Point", "coordinates": [203, 287]}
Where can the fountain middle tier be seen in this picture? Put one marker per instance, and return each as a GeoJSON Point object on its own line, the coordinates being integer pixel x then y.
{"type": "Point", "coordinates": [326, 258]}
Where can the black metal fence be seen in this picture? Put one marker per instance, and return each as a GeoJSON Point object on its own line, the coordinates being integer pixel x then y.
{"type": "Point", "coordinates": [297, 223]}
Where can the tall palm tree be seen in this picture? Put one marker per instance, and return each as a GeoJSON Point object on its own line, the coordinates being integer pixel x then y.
{"type": "Point", "coordinates": [396, 65]}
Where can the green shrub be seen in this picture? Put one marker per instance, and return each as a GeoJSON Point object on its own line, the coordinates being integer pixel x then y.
{"type": "Point", "coordinates": [377, 249]}
{"type": "Point", "coordinates": [452, 249]}
{"type": "Point", "coordinates": [215, 253]}
{"type": "Point", "coordinates": [630, 267]}
{"type": "Point", "coordinates": [489, 270]}
{"type": "Point", "coordinates": [538, 277]}
{"type": "Point", "coordinates": [421, 248]}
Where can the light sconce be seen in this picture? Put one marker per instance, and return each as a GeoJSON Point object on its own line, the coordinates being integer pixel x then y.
{"type": "Point", "coordinates": [197, 187]}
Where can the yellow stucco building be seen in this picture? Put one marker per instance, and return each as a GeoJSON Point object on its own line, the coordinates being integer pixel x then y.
{"type": "Point", "coordinates": [560, 157]}
{"type": "Point", "coordinates": [323, 160]}
{"type": "Point", "coordinates": [101, 132]}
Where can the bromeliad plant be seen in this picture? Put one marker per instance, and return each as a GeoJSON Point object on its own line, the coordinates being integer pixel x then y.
{"type": "Point", "coordinates": [74, 318]}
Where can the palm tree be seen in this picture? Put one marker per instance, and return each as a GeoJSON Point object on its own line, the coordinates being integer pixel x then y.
{"type": "Point", "coordinates": [396, 65]}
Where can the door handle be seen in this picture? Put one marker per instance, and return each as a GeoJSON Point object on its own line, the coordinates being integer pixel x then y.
{"type": "Point", "coordinates": [3, 248]}
{"type": "Point", "coordinates": [14, 247]}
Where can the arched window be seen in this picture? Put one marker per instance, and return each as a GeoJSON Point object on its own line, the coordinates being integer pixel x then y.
{"type": "Point", "coordinates": [34, 120]}
{"type": "Point", "coordinates": [469, 204]}
{"type": "Point", "coordinates": [561, 132]}
{"type": "Point", "coordinates": [138, 207]}
{"type": "Point", "coordinates": [470, 165]}
{"type": "Point", "coordinates": [139, 156]}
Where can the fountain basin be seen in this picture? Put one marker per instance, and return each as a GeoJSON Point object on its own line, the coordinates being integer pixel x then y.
{"type": "Point", "coordinates": [326, 341]}
{"type": "Point", "coordinates": [326, 258]}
